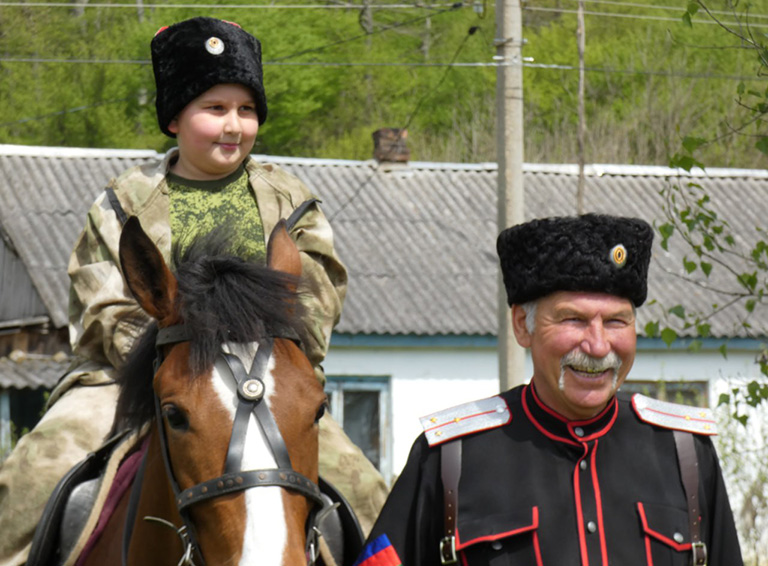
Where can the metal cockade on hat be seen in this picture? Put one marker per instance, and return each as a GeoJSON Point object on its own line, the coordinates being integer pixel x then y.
{"type": "Point", "coordinates": [214, 46]}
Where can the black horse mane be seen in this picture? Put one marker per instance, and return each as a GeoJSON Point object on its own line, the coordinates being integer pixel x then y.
{"type": "Point", "coordinates": [224, 296]}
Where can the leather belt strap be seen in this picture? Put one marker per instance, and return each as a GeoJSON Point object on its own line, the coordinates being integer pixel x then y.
{"type": "Point", "coordinates": [450, 472]}
{"type": "Point", "coordinates": [689, 473]}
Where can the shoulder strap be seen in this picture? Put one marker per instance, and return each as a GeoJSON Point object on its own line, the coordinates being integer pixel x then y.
{"type": "Point", "coordinates": [450, 472]}
{"type": "Point", "coordinates": [689, 472]}
{"type": "Point", "coordinates": [299, 212]}
{"type": "Point", "coordinates": [116, 206]}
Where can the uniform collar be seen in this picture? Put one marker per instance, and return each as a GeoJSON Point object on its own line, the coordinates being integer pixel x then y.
{"type": "Point", "coordinates": [556, 427]}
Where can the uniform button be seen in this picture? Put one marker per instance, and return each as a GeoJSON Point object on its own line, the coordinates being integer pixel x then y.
{"type": "Point", "coordinates": [496, 545]}
{"type": "Point", "coordinates": [583, 464]}
{"type": "Point", "coordinates": [678, 537]}
{"type": "Point", "coordinates": [578, 431]}
{"type": "Point", "coordinates": [591, 527]}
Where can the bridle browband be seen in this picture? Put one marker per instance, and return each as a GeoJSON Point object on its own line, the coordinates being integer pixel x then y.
{"type": "Point", "coordinates": [250, 395]}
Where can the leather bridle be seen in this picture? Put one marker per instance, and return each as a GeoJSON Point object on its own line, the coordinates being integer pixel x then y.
{"type": "Point", "coordinates": [250, 395]}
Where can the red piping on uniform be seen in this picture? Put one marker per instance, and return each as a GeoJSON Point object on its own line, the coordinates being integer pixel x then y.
{"type": "Point", "coordinates": [657, 535]}
{"type": "Point", "coordinates": [532, 527]}
{"type": "Point", "coordinates": [648, 557]}
{"type": "Point", "coordinates": [602, 431]}
{"type": "Point", "coordinates": [541, 428]}
{"type": "Point", "coordinates": [536, 548]}
{"type": "Point", "coordinates": [579, 514]}
{"type": "Point", "coordinates": [599, 504]}
{"type": "Point", "coordinates": [612, 406]}
{"type": "Point", "coordinates": [546, 409]}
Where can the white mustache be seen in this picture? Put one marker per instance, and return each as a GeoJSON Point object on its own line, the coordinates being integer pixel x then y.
{"type": "Point", "coordinates": [582, 361]}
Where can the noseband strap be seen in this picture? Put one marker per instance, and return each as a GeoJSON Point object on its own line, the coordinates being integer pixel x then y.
{"type": "Point", "coordinates": [232, 483]}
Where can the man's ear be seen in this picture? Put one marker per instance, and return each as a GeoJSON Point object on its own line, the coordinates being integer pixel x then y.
{"type": "Point", "coordinates": [518, 325]}
{"type": "Point", "coordinates": [173, 126]}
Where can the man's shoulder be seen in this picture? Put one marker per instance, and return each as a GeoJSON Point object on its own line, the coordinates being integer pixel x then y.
{"type": "Point", "coordinates": [466, 419]}
{"type": "Point", "coordinates": [673, 416]}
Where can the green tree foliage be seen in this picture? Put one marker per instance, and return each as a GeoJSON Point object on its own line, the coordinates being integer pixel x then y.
{"type": "Point", "coordinates": [79, 75]}
{"type": "Point", "coordinates": [647, 79]}
{"type": "Point", "coordinates": [729, 260]}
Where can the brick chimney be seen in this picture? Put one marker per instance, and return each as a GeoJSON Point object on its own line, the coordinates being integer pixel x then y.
{"type": "Point", "coordinates": [389, 145]}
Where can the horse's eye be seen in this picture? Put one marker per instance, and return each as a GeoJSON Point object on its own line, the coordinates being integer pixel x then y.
{"type": "Point", "coordinates": [176, 418]}
{"type": "Point", "coordinates": [321, 411]}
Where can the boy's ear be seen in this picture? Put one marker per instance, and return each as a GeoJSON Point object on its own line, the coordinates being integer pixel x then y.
{"type": "Point", "coordinates": [173, 127]}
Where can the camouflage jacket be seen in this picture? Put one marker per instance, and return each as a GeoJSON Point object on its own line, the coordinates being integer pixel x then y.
{"type": "Point", "coordinates": [104, 319]}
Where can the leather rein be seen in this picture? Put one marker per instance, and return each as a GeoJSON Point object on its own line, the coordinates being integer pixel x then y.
{"type": "Point", "coordinates": [250, 395]}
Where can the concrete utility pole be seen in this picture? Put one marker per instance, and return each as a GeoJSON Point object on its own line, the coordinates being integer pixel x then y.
{"type": "Point", "coordinates": [581, 36]}
{"type": "Point", "coordinates": [509, 142]}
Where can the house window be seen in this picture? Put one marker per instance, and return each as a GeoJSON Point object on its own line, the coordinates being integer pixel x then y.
{"type": "Point", "coordinates": [361, 406]}
{"type": "Point", "coordinates": [695, 393]}
{"type": "Point", "coordinates": [20, 410]}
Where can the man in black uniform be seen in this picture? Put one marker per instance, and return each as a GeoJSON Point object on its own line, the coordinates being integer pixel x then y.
{"type": "Point", "coordinates": [562, 471]}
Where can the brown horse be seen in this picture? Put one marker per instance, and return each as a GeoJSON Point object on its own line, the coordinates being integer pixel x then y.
{"type": "Point", "coordinates": [206, 495]}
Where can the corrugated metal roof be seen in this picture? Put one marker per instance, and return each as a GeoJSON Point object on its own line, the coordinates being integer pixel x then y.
{"type": "Point", "coordinates": [16, 283]}
{"type": "Point", "coordinates": [419, 240]}
{"type": "Point", "coordinates": [31, 371]}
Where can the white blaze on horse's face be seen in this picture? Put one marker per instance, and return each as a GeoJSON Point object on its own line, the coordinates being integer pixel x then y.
{"type": "Point", "coordinates": [265, 533]}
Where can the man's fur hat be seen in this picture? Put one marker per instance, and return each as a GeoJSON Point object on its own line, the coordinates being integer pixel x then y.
{"type": "Point", "coordinates": [195, 55]}
{"type": "Point", "coordinates": [593, 252]}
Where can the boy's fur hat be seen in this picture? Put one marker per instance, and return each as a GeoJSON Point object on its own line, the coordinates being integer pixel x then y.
{"type": "Point", "coordinates": [593, 252]}
{"type": "Point", "coordinates": [192, 56]}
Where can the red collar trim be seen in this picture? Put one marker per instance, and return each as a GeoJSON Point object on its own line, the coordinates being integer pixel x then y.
{"type": "Point", "coordinates": [556, 427]}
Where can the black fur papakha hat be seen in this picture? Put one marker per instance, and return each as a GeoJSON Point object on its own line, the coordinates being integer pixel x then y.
{"type": "Point", "coordinates": [192, 56]}
{"type": "Point", "coordinates": [593, 252]}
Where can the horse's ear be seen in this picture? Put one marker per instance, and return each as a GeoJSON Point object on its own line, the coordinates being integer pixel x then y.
{"type": "Point", "coordinates": [282, 253]}
{"type": "Point", "coordinates": [146, 273]}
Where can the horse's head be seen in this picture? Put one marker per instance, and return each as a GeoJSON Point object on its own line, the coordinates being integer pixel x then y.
{"type": "Point", "coordinates": [230, 370]}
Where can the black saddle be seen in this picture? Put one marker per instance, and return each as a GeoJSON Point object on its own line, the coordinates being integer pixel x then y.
{"type": "Point", "coordinates": [68, 508]}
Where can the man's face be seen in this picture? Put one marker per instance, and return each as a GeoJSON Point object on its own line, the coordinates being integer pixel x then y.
{"type": "Point", "coordinates": [215, 132]}
{"type": "Point", "coordinates": [583, 346]}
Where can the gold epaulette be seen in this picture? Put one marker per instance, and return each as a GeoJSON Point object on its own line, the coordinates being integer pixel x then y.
{"type": "Point", "coordinates": [465, 419]}
{"type": "Point", "coordinates": [697, 420]}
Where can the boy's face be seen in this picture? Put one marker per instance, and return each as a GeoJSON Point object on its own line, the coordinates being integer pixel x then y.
{"type": "Point", "coordinates": [215, 132]}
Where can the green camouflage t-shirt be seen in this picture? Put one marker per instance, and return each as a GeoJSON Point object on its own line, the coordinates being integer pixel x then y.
{"type": "Point", "coordinates": [197, 207]}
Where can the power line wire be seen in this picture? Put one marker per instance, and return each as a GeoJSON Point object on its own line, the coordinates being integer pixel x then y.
{"type": "Point", "coordinates": [356, 193]}
{"type": "Point", "coordinates": [340, 6]}
{"type": "Point", "coordinates": [454, 6]}
{"type": "Point", "coordinates": [345, 6]}
{"type": "Point", "coordinates": [676, 9]}
{"type": "Point", "coordinates": [465, 64]}
{"type": "Point", "coordinates": [634, 16]}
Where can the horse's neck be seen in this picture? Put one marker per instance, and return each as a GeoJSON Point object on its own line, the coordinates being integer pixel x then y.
{"type": "Point", "coordinates": [152, 542]}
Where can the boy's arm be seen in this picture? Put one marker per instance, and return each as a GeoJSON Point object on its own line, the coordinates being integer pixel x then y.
{"type": "Point", "coordinates": [324, 281]}
{"type": "Point", "coordinates": [104, 318]}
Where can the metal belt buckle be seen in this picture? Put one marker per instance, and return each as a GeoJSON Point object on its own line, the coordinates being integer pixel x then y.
{"type": "Point", "coordinates": [699, 553]}
{"type": "Point", "coordinates": [448, 551]}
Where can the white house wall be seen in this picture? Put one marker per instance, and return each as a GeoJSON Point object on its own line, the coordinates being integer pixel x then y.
{"type": "Point", "coordinates": [427, 379]}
